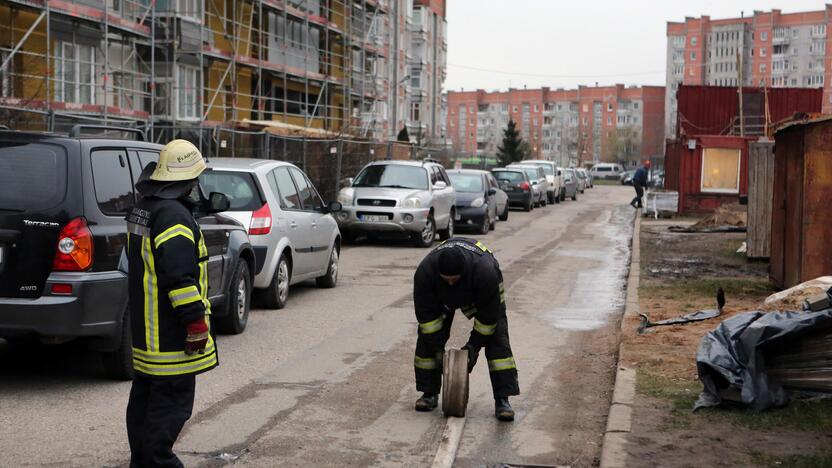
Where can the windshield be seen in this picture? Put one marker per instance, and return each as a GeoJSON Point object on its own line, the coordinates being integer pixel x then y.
{"type": "Point", "coordinates": [32, 176]}
{"type": "Point", "coordinates": [392, 176]}
{"type": "Point", "coordinates": [509, 176]}
{"type": "Point", "coordinates": [532, 173]}
{"type": "Point", "coordinates": [469, 183]}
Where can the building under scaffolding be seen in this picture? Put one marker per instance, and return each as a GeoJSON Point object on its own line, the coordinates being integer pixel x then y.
{"type": "Point", "coordinates": [189, 67]}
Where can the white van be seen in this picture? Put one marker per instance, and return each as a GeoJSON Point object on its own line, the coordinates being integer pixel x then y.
{"type": "Point", "coordinates": [610, 171]}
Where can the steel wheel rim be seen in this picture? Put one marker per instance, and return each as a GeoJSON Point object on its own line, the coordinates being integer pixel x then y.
{"type": "Point", "coordinates": [333, 265]}
{"type": "Point", "coordinates": [241, 298]}
{"type": "Point", "coordinates": [427, 232]}
{"type": "Point", "coordinates": [283, 281]}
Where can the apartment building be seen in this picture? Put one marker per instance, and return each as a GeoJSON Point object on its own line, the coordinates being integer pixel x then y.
{"type": "Point", "coordinates": [771, 49]}
{"type": "Point", "coordinates": [427, 69]}
{"type": "Point", "coordinates": [587, 124]}
{"type": "Point", "coordinates": [193, 65]}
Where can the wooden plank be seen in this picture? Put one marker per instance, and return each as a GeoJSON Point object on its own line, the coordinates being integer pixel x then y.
{"type": "Point", "coordinates": [760, 181]}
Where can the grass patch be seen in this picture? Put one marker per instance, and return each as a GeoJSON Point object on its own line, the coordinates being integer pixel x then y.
{"type": "Point", "coordinates": [705, 288]}
{"type": "Point", "coordinates": [801, 415]}
{"type": "Point", "coordinates": [812, 460]}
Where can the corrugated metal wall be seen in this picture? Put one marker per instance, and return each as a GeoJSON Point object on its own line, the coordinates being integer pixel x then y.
{"type": "Point", "coordinates": [711, 110]}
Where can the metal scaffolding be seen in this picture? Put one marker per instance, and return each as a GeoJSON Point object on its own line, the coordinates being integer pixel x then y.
{"type": "Point", "coordinates": [191, 67]}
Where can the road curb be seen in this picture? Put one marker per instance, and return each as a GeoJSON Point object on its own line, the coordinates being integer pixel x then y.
{"type": "Point", "coordinates": [619, 420]}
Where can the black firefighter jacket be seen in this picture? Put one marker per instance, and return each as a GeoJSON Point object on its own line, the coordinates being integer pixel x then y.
{"type": "Point", "coordinates": [479, 293]}
{"type": "Point", "coordinates": [168, 287]}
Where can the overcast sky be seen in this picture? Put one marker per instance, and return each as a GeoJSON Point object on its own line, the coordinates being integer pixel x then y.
{"type": "Point", "coordinates": [494, 44]}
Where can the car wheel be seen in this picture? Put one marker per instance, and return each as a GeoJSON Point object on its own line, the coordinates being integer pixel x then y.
{"type": "Point", "coordinates": [493, 224]}
{"type": "Point", "coordinates": [277, 294]}
{"type": "Point", "coordinates": [118, 364]}
{"type": "Point", "coordinates": [238, 302]}
{"type": "Point", "coordinates": [550, 198]}
{"type": "Point", "coordinates": [445, 234]}
{"type": "Point", "coordinates": [486, 222]}
{"type": "Point", "coordinates": [557, 197]}
{"type": "Point", "coordinates": [544, 201]}
{"type": "Point", "coordinates": [504, 216]}
{"type": "Point", "coordinates": [575, 196]}
{"type": "Point", "coordinates": [529, 206]}
{"type": "Point", "coordinates": [427, 235]}
{"type": "Point", "coordinates": [331, 277]}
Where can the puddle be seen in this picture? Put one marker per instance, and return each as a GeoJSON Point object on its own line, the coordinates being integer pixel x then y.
{"type": "Point", "coordinates": [598, 291]}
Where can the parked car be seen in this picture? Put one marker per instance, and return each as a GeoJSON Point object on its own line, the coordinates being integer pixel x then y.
{"type": "Point", "coordinates": [517, 185]}
{"type": "Point", "coordinates": [476, 200]}
{"type": "Point", "coordinates": [626, 177]}
{"type": "Point", "coordinates": [552, 176]}
{"type": "Point", "coordinates": [293, 233]}
{"type": "Point", "coordinates": [582, 183]}
{"type": "Point", "coordinates": [63, 201]}
{"type": "Point", "coordinates": [563, 186]}
{"type": "Point", "coordinates": [572, 183]}
{"type": "Point", "coordinates": [608, 171]}
{"type": "Point", "coordinates": [404, 197]}
{"type": "Point", "coordinates": [587, 177]}
{"type": "Point", "coordinates": [540, 185]}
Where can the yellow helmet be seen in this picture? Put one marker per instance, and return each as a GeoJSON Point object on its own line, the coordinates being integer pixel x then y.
{"type": "Point", "coordinates": [179, 160]}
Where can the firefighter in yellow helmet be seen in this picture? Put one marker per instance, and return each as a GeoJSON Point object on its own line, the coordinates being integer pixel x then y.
{"type": "Point", "coordinates": [169, 307]}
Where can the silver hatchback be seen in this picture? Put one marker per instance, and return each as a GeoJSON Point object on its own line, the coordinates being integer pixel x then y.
{"type": "Point", "coordinates": [291, 230]}
{"type": "Point", "coordinates": [412, 198]}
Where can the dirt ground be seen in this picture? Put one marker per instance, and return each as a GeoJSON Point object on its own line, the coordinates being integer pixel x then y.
{"type": "Point", "coordinates": [680, 274]}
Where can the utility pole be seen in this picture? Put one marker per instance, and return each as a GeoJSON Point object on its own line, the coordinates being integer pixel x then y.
{"type": "Point", "coordinates": [739, 91]}
{"type": "Point", "coordinates": [395, 68]}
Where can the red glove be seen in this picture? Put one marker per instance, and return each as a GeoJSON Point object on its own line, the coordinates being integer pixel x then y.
{"type": "Point", "coordinates": [197, 338]}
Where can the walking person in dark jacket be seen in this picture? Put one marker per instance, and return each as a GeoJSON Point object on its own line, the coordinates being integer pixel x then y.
{"type": "Point", "coordinates": [640, 183]}
{"type": "Point", "coordinates": [462, 274]}
{"type": "Point", "coordinates": [168, 303]}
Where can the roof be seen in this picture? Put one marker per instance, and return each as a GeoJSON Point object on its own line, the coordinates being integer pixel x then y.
{"type": "Point", "coordinates": [466, 171]}
{"type": "Point", "coordinates": [802, 119]}
{"type": "Point", "coordinates": [242, 163]}
{"type": "Point", "coordinates": [402, 163]}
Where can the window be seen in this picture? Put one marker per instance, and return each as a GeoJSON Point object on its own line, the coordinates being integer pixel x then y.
{"type": "Point", "coordinates": [635, 105]}
{"type": "Point", "coordinates": [609, 120]}
{"type": "Point", "coordinates": [762, 51]}
{"type": "Point", "coordinates": [609, 107]}
{"type": "Point", "coordinates": [535, 108]}
{"type": "Point", "coordinates": [75, 73]}
{"type": "Point", "coordinates": [762, 68]}
{"type": "Point", "coordinates": [415, 111]}
{"type": "Point", "coordinates": [693, 41]}
{"type": "Point", "coordinates": [764, 36]}
{"type": "Point", "coordinates": [113, 185]}
{"type": "Point", "coordinates": [720, 170]}
{"type": "Point", "coordinates": [693, 55]}
{"type": "Point", "coordinates": [416, 77]}
{"type": "Point", "coordinates": [189, 8]}
{"type": "Point", "coordinates": [188, 95]}
{"type": "Point", "coordinates": [310, 201]}
{"type": "Point", "coordinates": [239, 187]}
{"type": "Point", "coordinates": [33, 176]}
{"type": "Point", "coordinates": [287, 192]}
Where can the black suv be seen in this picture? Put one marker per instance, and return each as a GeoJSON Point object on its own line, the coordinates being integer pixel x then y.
{"type": "Point", "coordinates": [63, 201]}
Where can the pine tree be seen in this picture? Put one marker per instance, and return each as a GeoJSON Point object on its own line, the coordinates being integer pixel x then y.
{"type": "Point", "coordinates": [512, 149]}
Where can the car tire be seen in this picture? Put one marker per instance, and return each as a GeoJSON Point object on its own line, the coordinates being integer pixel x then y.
{"type": "Point", "coordinates": [118, 364]}
{"type": "Point", "coordinates": [544, 201]}
{"type": "Point", "coordinates": [557, 197]}
{"type": "Point", "coordinates": [529, 206]}
{"type": "Point", "coordinates": [426, 236]}
{"type": "Point", "coordinates": [486, 222]}
{"type": "Point", "coordinates": [575, 197]}
{"type": "Point", "coordinates": [277, 294]}
{"type": "Point", "coordinates": [504, 216]}
{"type": "Point", "coordinates": [447, 233]}
{"type": "Point", "coordinates": [493, 224]}
{"type": "Point", "coordinates": [331, 277]}
{"type": "Point", "coordinates": [551, 199]}
{"type": "Point", "coordinates": [237, 302]}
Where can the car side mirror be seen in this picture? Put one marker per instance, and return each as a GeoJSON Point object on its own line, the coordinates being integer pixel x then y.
{"type": "Point", "coordinates": [347, 182]}
{"type": "Point", "coordinates": [333, 207]}
{"type": "Point", "coordinates": [492, 191]}
{"type": "Point", "coordinates": [218, 202]}
{"type": "Point", "coordinates": [534, 182]}
{"type": "Point", "coordinates": [441, 185]}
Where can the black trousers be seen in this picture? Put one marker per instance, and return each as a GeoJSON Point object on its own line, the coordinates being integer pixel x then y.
{"type": "Point", "coordinates": [639, 194]}
{"type": "Point", "coordinates": [157, 410]}
{"type": "Point", "coordinates": [431, 347]}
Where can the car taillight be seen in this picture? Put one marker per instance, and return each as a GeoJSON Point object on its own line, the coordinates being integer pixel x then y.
{"type": "Point", "coordinates": [525, 186]}
{"type": "Point", "coordinates": [74, 247]}
{"type": "Point", "coordinates": [261, 221]}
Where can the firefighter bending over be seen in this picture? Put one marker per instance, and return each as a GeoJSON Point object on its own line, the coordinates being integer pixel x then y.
{"type": "Point", "coordinates": [462, 274]}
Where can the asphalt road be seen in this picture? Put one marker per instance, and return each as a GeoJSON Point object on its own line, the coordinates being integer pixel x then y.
{"type": "Point", "coordinates": [329, 380]}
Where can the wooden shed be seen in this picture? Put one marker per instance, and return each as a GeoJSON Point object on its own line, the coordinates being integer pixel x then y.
{"type": "Point", "coordinates": [801, 222]}
{"type": "Point", "coordinates": [760, 185]}
{"type": "Point", "coordinates": [707, 171]}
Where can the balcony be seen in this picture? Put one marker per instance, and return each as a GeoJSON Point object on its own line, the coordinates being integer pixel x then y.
{"type": "Point", "coordinates": [784, 39]}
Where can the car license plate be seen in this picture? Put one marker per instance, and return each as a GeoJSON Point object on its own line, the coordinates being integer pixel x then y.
{"type": "Point", "coordinates": [374, 218]}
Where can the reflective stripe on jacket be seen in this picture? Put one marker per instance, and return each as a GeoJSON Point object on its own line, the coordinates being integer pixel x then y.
{"type": "Point", "coordinates": [168, 288]}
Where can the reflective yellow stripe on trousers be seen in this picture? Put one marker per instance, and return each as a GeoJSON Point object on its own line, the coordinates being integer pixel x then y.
{"type": "Point", "coordinates": [151, 298]}
{"type": "Point", "coordinates": [425, 363]}
{"type": "Point", "coordinates": [495, 365]}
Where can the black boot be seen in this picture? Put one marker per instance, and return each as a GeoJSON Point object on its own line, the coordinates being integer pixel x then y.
{"type": "Point", "coordinates": [502, 410]}
{"type": "Point", "coordinates": [427, 402]}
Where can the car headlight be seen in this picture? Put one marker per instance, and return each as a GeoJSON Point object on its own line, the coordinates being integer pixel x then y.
{"type": "Point", "coordinates": [345, 198]}
{"type": "Point", "coordinates": [413, 202]}
{"type": "Point", "coordinates": [478, 202]}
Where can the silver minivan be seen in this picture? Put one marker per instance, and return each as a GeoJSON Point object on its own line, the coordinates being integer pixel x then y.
{"type": "Point", "coordinates": [294, 236]}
